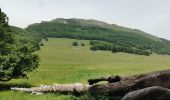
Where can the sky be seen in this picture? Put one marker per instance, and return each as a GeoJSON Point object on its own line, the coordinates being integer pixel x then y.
{"type": "Point", "coordinates": [151, 16]}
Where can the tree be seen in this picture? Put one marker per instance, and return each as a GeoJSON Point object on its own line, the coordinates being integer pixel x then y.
{"type": "Point", "coordinates": [114, 49]}
{"type": "Point", "coordinates": [16, 60]}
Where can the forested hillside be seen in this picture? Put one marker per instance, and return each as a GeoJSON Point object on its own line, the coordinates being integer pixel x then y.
{"type": "Point", "coordinates": [122, 39]}
{"type": "Point", "coordinates": [93, 22]}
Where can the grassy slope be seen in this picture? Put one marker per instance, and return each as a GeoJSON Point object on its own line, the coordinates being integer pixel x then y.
{"type": "Point", "coordinates": [63, 63]}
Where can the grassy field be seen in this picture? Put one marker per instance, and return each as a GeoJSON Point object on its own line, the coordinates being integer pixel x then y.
{"type": "Point", "coordinates": [63, 63]}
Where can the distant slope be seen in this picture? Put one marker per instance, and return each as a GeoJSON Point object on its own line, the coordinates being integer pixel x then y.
{"type": "Point", "coordinates": [97, 30]}
{"type": "Point", "coordinates": [92, 22]}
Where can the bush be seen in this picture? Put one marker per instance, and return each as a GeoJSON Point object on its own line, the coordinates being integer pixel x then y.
{"type": "Point", "coordinates": [75, 43]}
{"type": "Point", "coordinates": [41, 44]}
{"type": "Point", "coordinates": [82, 44]}
{"type": "Point", "coordinates": [45, 38]}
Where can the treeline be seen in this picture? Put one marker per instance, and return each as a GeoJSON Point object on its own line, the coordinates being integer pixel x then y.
{"type": "Point", "coordinates": [102, 45]}
{"type": "Point", "coordinates": [120, 38]}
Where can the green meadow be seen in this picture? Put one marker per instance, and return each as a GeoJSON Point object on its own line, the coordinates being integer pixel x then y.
{"type": "Point", "coordinates": [63, 63]}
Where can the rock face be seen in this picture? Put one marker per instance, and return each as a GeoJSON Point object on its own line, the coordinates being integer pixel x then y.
{"type": "Point", "coordinates": [132, 83]}
{"type": "Point", "coordinates": [150, 93]}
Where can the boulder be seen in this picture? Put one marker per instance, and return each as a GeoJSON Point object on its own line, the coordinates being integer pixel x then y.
{"type": "Point", "coordinates": [150, 93]}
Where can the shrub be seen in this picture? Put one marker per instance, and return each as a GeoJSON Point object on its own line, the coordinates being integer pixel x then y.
{"type": "Point", "coordinates": [41, 44]}
{"type": "Point", "coordinates": [45, 38]}
{"type": "Point", "coordinates": [82, 44]}
{"type": "Point", "coordinates": [75, 43]}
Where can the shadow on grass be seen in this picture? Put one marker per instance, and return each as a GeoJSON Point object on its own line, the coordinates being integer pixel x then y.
{"type": "Point", "coordinates": [7, 86]}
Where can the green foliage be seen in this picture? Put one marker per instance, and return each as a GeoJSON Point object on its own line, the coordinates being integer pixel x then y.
{"type": "Point", "coordinates": [24, 37]}
{"type": "Point", "coordinates": [46, 39]}
{"type": "Point", "coordinates": [75, 43]}
{"type": "Point", "coordinates": [16, 58]}
{"type": "Point", "coordinates": [82, 44]}
{"type": "Point", "coordinates": [41, 44]}
{"type": "Point", "coordinates": [102, 45]}
{"type": "Point", "coordinates": [92, 22]}
{"type": "Point", "coordinates": [73, 29]}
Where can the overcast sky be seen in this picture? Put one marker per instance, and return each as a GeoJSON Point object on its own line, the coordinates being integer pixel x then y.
{"type": "Point", "coordinates": [152, 16]}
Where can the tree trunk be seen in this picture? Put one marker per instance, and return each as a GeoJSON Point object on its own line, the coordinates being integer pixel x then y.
{"type": "Point", "coordinates": [76, 88]}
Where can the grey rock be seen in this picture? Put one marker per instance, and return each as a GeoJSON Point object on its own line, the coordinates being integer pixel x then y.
{"type": "Point", "coordinates": [150, 93]}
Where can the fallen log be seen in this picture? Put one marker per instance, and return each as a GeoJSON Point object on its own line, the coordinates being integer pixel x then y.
{"type": "Point", "coordinates": [76, 88]}
{"type": "Point", "coordinates": [66, 88]}
{"type": "Point", "coordinates": [150, 93]}
{"type": "Point", "coordinates": [131, 83]}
